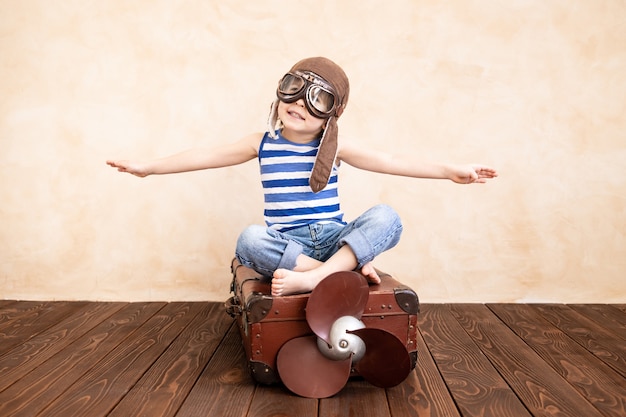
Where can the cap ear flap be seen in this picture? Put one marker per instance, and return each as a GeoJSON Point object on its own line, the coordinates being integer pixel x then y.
{"type": "Point", "coordinates": [325, 157]}
{"type": "Point", "coordinates": [272, 120]}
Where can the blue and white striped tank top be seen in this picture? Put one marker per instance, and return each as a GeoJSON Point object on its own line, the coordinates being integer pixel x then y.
{"type": "Point", "coordinates": [289, 200]}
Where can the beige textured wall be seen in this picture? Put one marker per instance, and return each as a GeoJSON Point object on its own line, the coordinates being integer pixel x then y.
{"type": "Point", "coordinates": [536, 89]}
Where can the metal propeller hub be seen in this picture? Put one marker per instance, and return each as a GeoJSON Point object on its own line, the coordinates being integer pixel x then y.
{"type": "Point", "coordinates": [341, 344]}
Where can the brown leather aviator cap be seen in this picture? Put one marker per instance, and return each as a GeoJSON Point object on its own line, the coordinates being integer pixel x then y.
{"type": "Point", "coordinates": [336, 77]}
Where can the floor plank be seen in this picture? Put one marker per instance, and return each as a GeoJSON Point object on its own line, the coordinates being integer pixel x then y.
{"type": "Point", "coordinates": [14, 311]}
{"type": "Point", "coordinates": [32, 393]}
{"type": "Point", "coordinates": [273, 401]}
{"type": "Point", "coordinates": [602, 343]}
{"type": "Point", "coordinates": [21, 321]}
{"type": "Point", "coordinates": [23, 358]}
{"type": "Point", "coordinates": [424, 392]}
{"type": "Point", "coordinates": [540, 387]}
{"type": "Point", "coordinates": [226, 378]}
{"type": "Point", "coordinates": [161, 390]}
{"type": "Point", "coordinates": [592, 378]}
{"type": "Point", "coordinates": [98, 391]}
{"type": "Point", "coordinates": [358, 398]}
{"type": "Point", "coordinates": [476, 386]}
{"type": "Point", "coordinates": [612, 319]}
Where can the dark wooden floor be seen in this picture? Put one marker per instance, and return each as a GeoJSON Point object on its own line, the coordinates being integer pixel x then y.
{"type": "Point", "coordinates": [186, 359]}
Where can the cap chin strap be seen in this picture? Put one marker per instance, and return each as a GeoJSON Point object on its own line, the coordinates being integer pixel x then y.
{"type": "Point", "coordinates": [325, 157]}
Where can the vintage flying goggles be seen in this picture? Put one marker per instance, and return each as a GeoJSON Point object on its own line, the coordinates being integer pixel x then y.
{"type": "Point", "coordinates": [319, 96]}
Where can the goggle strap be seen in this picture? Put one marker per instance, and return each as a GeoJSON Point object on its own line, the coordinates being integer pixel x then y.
{"type": "Point", "coordinates": [315, 79]}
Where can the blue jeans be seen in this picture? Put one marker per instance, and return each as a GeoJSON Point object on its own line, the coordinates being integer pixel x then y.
{"type": "Point", "coordinates": [266, 250]}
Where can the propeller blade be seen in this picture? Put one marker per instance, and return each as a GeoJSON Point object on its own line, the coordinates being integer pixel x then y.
{"type": "Point", "coordinates": [340, 294]}
{"type": "Point", "coordinates": [386, 362]}
{"type": "Point", "coordinates": [306, 372]}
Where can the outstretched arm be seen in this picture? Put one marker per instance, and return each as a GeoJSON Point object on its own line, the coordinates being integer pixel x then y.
{"type": "Point", "coordinates": [194, 159]}
{"type": "Point", "coordinates": [387, 163]}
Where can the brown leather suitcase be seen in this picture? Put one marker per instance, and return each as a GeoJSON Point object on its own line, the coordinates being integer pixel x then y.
{"type": "Point", "coordinates": [267, 322]}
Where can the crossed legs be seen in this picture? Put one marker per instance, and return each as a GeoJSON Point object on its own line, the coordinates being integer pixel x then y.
{"type": "Point", "coordinates": [293, 258]}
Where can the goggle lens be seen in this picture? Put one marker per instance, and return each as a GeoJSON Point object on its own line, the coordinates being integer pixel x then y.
{"type": "Point", "coordinates": [322, 100]}
{"type": "Point", "coordinates": [291, 84]}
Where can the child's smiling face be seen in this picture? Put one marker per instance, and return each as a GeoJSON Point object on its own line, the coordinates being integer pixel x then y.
{"type": "Point", "coordinates": [297, 121]}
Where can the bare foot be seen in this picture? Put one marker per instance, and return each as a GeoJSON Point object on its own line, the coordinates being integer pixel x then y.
{"type": "Point", "coordinates": [286, 282]}
{"type": "Point", "coordinates": [370, 273]}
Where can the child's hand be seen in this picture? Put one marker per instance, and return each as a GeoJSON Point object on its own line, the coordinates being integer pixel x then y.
{"type": "Point", "coordinates": [131, 167]}
{"type": "Point", "coordinates": [468, 174]}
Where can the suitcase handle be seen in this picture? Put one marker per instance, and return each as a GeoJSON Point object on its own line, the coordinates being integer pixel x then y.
{"type": "Point", "coordinates": [232, 306]}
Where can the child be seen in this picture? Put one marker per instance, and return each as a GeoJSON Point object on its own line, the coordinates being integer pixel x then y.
{"type": "Point", "coordinates": [306, 238]}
